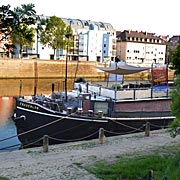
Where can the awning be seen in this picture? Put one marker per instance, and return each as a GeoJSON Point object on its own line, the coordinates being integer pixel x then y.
{"type": "Point", "coordinates": [123, 69]}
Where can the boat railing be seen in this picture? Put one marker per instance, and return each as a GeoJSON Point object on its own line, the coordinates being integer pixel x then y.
{"type": "Point", "coordinates": [49, 104]}
{"type": "Point", "coordinates": [128, 93]}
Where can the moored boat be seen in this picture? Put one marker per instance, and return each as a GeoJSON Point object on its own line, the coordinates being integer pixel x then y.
{"type": "Point", "coordinates": [79, 114]}
{"type": "Point", "coordinates": [84, 112]}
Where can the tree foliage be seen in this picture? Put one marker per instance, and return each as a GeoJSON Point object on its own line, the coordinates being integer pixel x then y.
{"type": "Point", "coordinates": [23, 34]}
{"type": "Point", "coordinates": [176, 59]}
{"type": "Point", "coordinates": [175, 94]}
{"type": "Point", "coordinates": [53, 33]}
{"type": "Point", "coordinates": [16, 24]}
{"type": "Point", "coordinates": [7, 20]}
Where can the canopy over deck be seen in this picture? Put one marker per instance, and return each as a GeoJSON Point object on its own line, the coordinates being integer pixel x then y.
{"type": "Point", "coordinates": [123, 69]}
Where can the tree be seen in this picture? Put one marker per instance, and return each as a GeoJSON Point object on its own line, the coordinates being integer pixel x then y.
{"type": "Point", "coordinates": [175, 109]}
{"type": "Point", "coordinates": [175, 55]}
{"type": "Point", "coordinates": [175, 94]}
{"type": "Point", "coordinates": [23, 34]}
{"type": "Point", "coordinates": [54, 32]}
{"type": "Point", "coordinates": [17, 23]}
{"type": "Point", "coordinates": [7, 20]}
{"type": "Point", "coordinates": [6, 25]}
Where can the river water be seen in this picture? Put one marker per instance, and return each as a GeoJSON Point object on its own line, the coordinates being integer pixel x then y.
{"type": "Point", "coordinates": [9, 88]}
{"type": "Point", "coordinates": [8, 138]}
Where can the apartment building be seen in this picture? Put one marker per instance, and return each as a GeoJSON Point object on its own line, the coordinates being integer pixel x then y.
{"type": "Point", "coordinates": [173, 42]}
{"type": "Point", "coordinates": [140, 48]}
{"type": "Point", "coordinates": [92, 41]}
{"type": "Point", "coordinates": [95, 45]}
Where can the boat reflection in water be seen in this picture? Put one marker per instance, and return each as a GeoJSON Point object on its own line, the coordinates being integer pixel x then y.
{"type": "Point", "coordinates": [11, 87]}
{"type": "Point", "coordinates": [7, 127]}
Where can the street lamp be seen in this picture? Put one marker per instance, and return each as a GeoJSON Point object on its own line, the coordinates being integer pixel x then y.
{"type": "Point", "coordinates": [68, 35]}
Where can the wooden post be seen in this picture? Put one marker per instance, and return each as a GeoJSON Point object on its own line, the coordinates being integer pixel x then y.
{"type": "Point", "coordinates": [101, 135]}
{"type": "Point", "coordinates": [45, 143]}
{"type": "Point", "coordinates": [165, 178]}
{"type": "Point", "coordinates": [58, 86]}
{"type": "Point", "coordinates": [20, 88]}
{"type": "Point", "coordinates": [147, 129]}
{"type": "Point", "coordinates": [150, 175]}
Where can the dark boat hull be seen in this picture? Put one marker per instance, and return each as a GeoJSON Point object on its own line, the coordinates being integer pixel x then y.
{"type": "Point", "coordinates": [62, 128]}
{"type": "Point", "coordinates": [34, 121]}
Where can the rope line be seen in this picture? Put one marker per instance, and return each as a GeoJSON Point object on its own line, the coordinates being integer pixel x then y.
{"type": "Point", "coordinates": [34, 142]}
{"type": "Point", "coordinates": [45, 125]}
{"type": "Point", "coordinates": [124, 124]}
{"type": "Point", "coordinates": [139, 129]}
{"type": "Point", "coordinates": [154, 125]}
{"type": "Point", "coordinates": [10, 147]}
{"type": "Point", "coordinates": [78, 139]}
{"type": "Point", "coordinates": [8, 138]}
{"type": "Point", "coordinates": [136, 129]}
{"type": "Point", "coordinates": [66, 130]}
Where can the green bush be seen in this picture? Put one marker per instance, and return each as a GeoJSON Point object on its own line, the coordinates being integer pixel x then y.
{"type": "Point", "coordinates": [118, 86]}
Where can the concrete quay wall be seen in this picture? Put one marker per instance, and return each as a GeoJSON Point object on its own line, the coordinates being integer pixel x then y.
{"type": "Point", "coordinates": [17, 68]}
{"type": "Point", "coordinates": [21, 68]}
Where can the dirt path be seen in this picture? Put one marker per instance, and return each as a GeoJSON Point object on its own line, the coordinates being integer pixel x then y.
{"type": "Point", "coordinates": [61, 162]}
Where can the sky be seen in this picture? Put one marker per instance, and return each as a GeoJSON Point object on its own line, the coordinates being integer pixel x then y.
{"type": "Point", "coordinates": [155, 16]}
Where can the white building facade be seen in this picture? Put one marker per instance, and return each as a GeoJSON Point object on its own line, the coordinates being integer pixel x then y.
{"type": "Point", "coordinates": [93, 41]}
{"type": "Point", "coordinates": [141, 48]}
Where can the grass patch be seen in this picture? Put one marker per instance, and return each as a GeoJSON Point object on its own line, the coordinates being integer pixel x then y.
{"type": "Point", "coordinates": [4, 178]}
{"type": "Point", "coordinates": [163, 162]}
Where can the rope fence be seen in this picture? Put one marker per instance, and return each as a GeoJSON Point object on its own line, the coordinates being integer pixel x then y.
{"type": "Point", "coordinates": [71, 140]}
{"type": "Point", "coordinates": [144, 128]}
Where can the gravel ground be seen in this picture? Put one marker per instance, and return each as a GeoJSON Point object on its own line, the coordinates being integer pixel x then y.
{"type": "Point", "coordinates": [62, 161]}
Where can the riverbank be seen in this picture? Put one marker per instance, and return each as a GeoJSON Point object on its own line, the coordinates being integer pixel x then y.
{"type": "Point", "coordinates": [21, 69]}
{"type": "Point", "coordinates": [66, 161]}
{"type": "Point", "coordinates": [33, 68]}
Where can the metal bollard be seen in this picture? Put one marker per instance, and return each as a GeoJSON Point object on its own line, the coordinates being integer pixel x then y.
{"type": "Point", "coordinates": [45, 143]}
{"type": "Point", "coordinates": [69, 110]}
{"type": "Point", "coordinates": [100, 114]}
{"type": "Point", "coordinates": [147, 129]}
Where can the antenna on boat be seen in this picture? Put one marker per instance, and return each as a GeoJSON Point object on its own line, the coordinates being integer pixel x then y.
{"type": "Point", "coordinates": [20, 88]}
{"type": "Point", "coordinates": [52, 87]}
{"type": "Point", "coordinates": [68, 35]}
